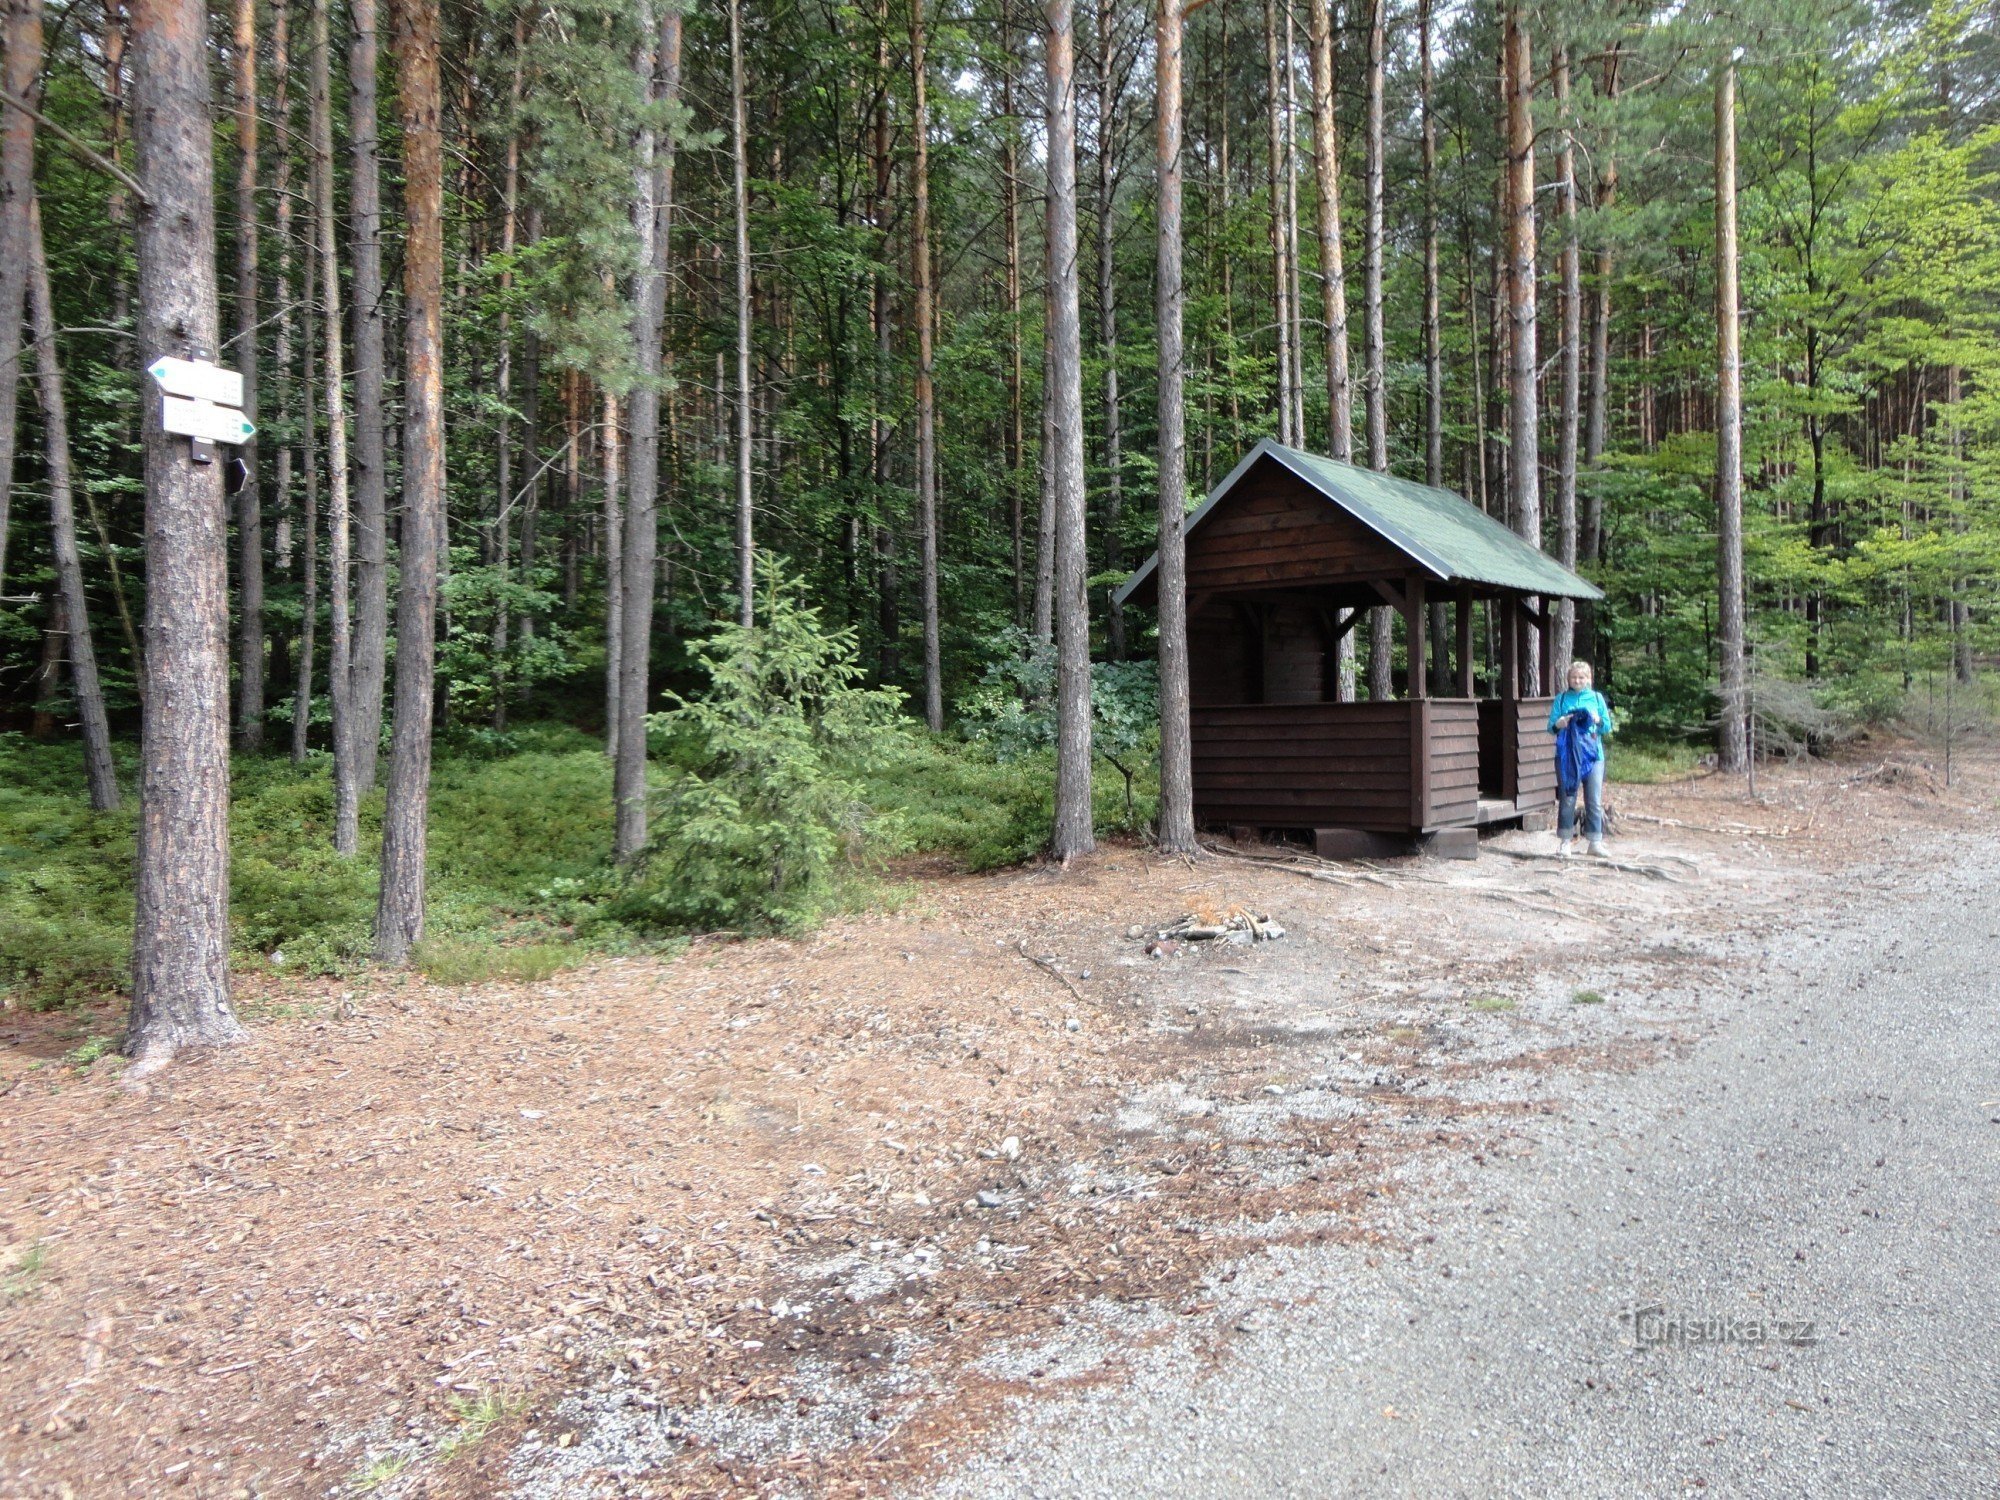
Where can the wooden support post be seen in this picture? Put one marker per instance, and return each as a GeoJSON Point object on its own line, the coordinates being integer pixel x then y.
{"type": "Point", "coordinates": [1550, 666]}
{"type": "Point", "coordinates": [1420, 761]}
{"type": "Point", "coordinates": [1466, 684]}
{"type": "Point", "coordinates": [1510, 648]}
{"type": "Point", "coordinates": [1416, 620]}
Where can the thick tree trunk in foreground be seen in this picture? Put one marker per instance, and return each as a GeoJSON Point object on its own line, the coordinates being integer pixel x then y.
{"type": "Point", "coordinates": [371, 463]}
{"type": "Point", "coordinates": [1381, 620]}
{"type": "Point", "coordinates": [243, 355]}
{"type": "Point", "coordinates": [1730, 745]}
{"type": "Point", "coordinates": [746, 542]}
{"type": "Point", "coordinates": [340, 631]}
{"type": "Point", "coordinates": [1177, 835]}
{"type": "Point", "coordinates": [920, 254]}
{"type": "Point", "coordinates": [1280, 272]}
{"type": "Point", "coordinates": [98, 772]}
{"type": "Point", "coordinates": [399, 911]}
{"type": "Point", "coordinates": [1567, 415]}
{"type": "Point", "coordinates": [1107, 313]}
{"type": "Point", "coordinates": [180, 935]}
{"type": "Point", "coordinates": [1523, 430]}
{"type": "Point", "coordinates": [309, 527]}
{"type": "Point", "coordinates": [1074, 831]}
{"type": "Point", "coordinates": [659, 68]}
{"type": "Point", "coordinates": [21, 71]}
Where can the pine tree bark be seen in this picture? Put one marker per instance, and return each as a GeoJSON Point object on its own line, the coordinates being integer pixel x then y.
{"type": "Point", "coordinates": [1107, 312]}
{"type": "Point", "coordinates": [180, 946]}
{"type": "Point", "coordinates": [99, 774]}
{"type": "Point", "coordinates": [659, 67]}
{"type": "Point", "coordinates": [1594, 432]}
{"type": "Point", "coordinates": [612, 523]}
{"type": "Point", "coordinates": [249, 499]}
{"type": "Point", "coordinates": [340, 627]}
{"type": "Point", "coordinates": [399, 911]}
{"type": "Point", "coordinates": [1294, 291]}
{"type": "Point", "coordinates": [371, 464]}
{"type": "Point", "coordinates": [1274, 176]}
{"type": "Point", "coordinates": [1332, 266]}
{"type": "Point", "coordinates": [284, 466]}
{"type": "Point", "coordinates": [1731, 753]}
{"type": "Point", "coordinates": [1177, 833]}
{"type": "Point", "coordinates": [20, 70]}
{"type": "Point", "coordinates": [302, 691]}
{"type": "Point", "coordinates": [1010, 208]}
{"type": "Point", "coordinates": [746, 543]}
{"type": "Point", "coordinates": [1523, 422]}
{"type": "Point", "coordinates": [1440, 622]}
{"type": "Point", "coordinates": [1381, 620]}
{"type": "Point", "coordinates": [926, 392]}
{"type": "Point", "coordinates": [1074, 832]}
{"type": "Point", "coordinates": [1567, 416]}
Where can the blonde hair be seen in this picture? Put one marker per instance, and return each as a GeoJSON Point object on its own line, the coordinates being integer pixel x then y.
{"type": "Point", "coordinates": [1570, 671]}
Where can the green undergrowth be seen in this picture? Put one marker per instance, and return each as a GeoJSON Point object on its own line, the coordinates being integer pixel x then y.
{"type": "Point", "coordinates": [521, 880]}
{"type": "Point", "coordinates": [1645, 762]}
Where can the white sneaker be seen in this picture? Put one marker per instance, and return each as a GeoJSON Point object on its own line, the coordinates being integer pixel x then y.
{"type": "Point", "coordinates": [1597, 848]}
{"type": "Point", "coordinates": [1562, 848]}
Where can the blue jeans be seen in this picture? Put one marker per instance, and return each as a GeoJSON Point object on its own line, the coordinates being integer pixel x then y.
{"type": "Point", "coordinates": [1593, 807]}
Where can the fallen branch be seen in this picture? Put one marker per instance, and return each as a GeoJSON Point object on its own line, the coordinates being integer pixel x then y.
{"type": "Point", "coordinates": [1048, 967]}
{"type": "Point", "coordinates": [1726, 830]}
{"type": "Point", "coordinates": [1651, 872]}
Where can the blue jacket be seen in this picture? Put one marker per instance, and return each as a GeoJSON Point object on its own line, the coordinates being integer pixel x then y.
{"type": "Point", "coordinates": [1586, 701]}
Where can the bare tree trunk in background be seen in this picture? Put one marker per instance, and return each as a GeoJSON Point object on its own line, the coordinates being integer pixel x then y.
{"type": "Point", "coordinates": [180, 933]}
{"type": "Point", "coordinates": [926, 393]}
{"type": "Point", "coordinates": [21, 70]}
{"type": "Point", "coordinates": [1177, 835]}
{"type": "Point", "coordinates": [1523, 431]}
{"type": "Point", "coordinates": [500, 635]}
{"type": "Point", "coordinates": [1381, 620]}
{"type": "Point", "coordinates": [746, 543]}
{"type": "Point", "coordinates": [1294, 291]}
{"type": "Point", "coordinates": [659, 67]}
{"type": "Point", "coordinates": [282, 538]}
{"type": "Point", "coordinates": [371, 462]}
{"type": "Point", "coordinates": [1590, 542]}
{"type": "Point", "coordinates": [249, 499]}
{"type": "Point", "coordinates": [1440, 621]}
{"type": "Point", "coordinates": [309, 520]}
{"type": "Point", "coordinates": [1332, 265]}
{"type": "Point", "coordinates": [1332, 278]}
{"type": "Point", "coordinates": [613, 523]}
{"type": "Point", "coordinates": [1045, 515]}
{"type": "Point", "coordinates": [340, 631]}
{"type": "Point", "coordinates": [1107, 314]}
{"type": "Point", "coordinates": [399, 911]}
{"type": "Point", "coordinates": [1567, 415]}
{"type": "Point", "coordinates": [1074, 831]}
{"type": "Point", "coordinates": [1731, 753]}
{"type": "Point", "coordinates": [98, 770]}
{"type": "Point", "coordinates": [1010, 195]}
{"type": "Point", "coordinates": [1280, 273]}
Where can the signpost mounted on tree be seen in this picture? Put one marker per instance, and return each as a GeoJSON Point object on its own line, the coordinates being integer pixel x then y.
{"type": "Point", "coordinates": [202, 402]}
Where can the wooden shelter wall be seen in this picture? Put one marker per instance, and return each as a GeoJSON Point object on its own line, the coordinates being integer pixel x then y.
{"type": "Point", "coordinates": [1453, 762]}
{"type": "Point", "coordinates": [1304, 765]}
{"type": "Point", "coordinates": [1275, 529]}
{"type": "Point", "coordinates": [1535, 777]}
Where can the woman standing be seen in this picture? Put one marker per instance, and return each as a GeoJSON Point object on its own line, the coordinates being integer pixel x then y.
{"type": "Point", "coordinates": [1579, 719]}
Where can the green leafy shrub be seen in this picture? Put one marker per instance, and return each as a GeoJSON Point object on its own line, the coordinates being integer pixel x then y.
{"type": "Point", "coordinates": [769, 811]}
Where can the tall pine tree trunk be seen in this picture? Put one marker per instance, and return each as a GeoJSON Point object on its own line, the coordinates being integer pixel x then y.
{"type": "Point", "coordinates": [20, 69]}
{"type": "Point", "coordinates": [1381, 620]}
{"type": "Point", "coordinates": [98, 772]}
{"type": "Point", "coordinates": [1107, 312]}
{"type": "Point", "coordinates": [926, 393]}
{"type": "Point", "coordinates": [1730, 741]}
{"type": "Point", "coordinates": [180, 936]}
{"type": "Point", "coordinates": [659, 67]}
{"type": "Point", "coordinates": [612, 524]}
{"type": "Point", "coordinates": [249, 499]}
{"type": "Point", "coordinates": [302, 689]}
{"type": "Point", "coordinates": [1010, 208]}
{"type": "Point", "coordinates": [1074, 832]}
{"type": "Point", "coordinates": [746, 543]}
{"type": "Point", "coordinates": [1177, 835]}
{"type": "Point", "coordinates": [500, 634]}
{"type": "Point", "coordinates": [399, 911]}
{"type": "Point", "coordinates": [1523, 424]}
{"type": "Point", "coordinates": [1567, 416]}
{"type": "Point", "coordinates": [371, 463]}
{"type": "Point", "coordinates": [1332, 266]}
{"type": "Point", "coordinates": [1440, 623]}
{"type": "Point", "coordinates": [340, 630]}
{"type": "Point", "coordinates": [1274, 176]}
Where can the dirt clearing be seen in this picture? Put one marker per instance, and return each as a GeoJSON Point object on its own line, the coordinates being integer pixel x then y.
{"type": "Point", "coordinates": [809, 1216]}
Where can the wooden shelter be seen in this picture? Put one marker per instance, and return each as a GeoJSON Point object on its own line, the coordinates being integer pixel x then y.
{"type": "Point", "coordinates": [1286, 556]}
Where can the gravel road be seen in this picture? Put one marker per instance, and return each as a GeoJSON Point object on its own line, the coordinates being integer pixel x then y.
{"type": "Point", "coordinates": [1829, 1154]}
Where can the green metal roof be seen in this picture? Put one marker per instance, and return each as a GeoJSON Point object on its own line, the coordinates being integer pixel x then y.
{"type": "Point", "coordinates": [1455, 542]}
